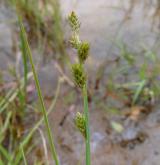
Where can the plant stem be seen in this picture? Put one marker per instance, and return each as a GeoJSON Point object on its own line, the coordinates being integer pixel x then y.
{"type": "Point", "coordinates": [25, 69]}
{"type": "Point", "coordinates": [50, 137]}
{"type": "Point", "coordinates": [24, 158]}
{"type": "Point", "coordinates": [87, 140]}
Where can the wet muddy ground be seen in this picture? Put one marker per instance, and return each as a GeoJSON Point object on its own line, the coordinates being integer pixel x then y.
{"type": "Point", "coordinates": [137, 139]}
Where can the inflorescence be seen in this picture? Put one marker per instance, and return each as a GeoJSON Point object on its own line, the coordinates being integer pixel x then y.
{"type": "Point", "coordinates": [78, 72]}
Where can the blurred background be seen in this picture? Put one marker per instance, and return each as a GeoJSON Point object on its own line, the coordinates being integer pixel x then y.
{"type": "Point", "coordinates": [123, 71]}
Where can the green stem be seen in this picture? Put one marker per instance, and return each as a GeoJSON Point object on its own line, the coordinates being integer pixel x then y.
{"type": "Point", "coordinates": [50, 137]}
{"type": "Point", "coordinates": [24, 158]}
{"type": "Point", "coordinates": [87, 140]}
{"type": "Point", "coordinates": [25, 69]}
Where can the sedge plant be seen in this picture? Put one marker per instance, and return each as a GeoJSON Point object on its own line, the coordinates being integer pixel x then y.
{"type": "Point", "coordinates": [80, 79]}
{"type": "Point", "coordinates": [44, 112]}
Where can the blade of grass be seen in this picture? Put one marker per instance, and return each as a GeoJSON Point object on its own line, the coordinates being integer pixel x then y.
{"type": "Point", "coordinates": [128, 85]}
{"type": "Point", "coordinates": [19, 156]}
{"type": "Point", "coordinates": [25, 141]}
{"type": "Point", "coordinates": [29, 136]}
{"type": "Point", "coordinates": [24, 158]}
{"type": "Point", "coordinates": [50, 137]}
{"type": "Point", "coordinates": [4, 152]}
{"type": "Point", "coordinates": [5, 127]}
{"type": "Point", "coordinates": [24, 56]}
{"type": "Point", "coordinates": [138, 91]}
{"type": "Point", "coordinates": [11, 95]}
{"type": "Point", "coordinates": [6, 97]}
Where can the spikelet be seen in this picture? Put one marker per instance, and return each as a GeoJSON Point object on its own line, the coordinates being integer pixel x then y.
{"type": "Point", "coordinates": [73, 21]}
{"type": "Point", "coordinates": [75, 41]}
{"type": "Point", "coordinates": [79, 75]}
{"type": "Point", "coordinates": [83, 51]}
{"type": "Point", "coordinates": [80, 123]}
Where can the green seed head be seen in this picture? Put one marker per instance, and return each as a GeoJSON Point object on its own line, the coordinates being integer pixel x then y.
{"type": "Point", "coordinates": [83, 51]}
{"type": "Point", "coordinates": [73, 21]}
{"type": "Point", "coordinates": [75, 41]}
{"type": "Point", "coordinates": [80, 123]}
{"type": "Point", "coordinates": [79, 75]}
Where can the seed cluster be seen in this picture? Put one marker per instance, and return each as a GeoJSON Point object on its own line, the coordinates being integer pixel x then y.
{"type": "Point", "coordinates": [73, 21]}
{"type": "Point", "coordinates": [75, 41]}
{"type": "Point", "coordinates": [79, 75]}
{"type": "Point", "coordinates": [78, 72]}
{"type": "Point", "coordinates": [82, 51]}
{"type": "Point", "coordinates": [80, 122]}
